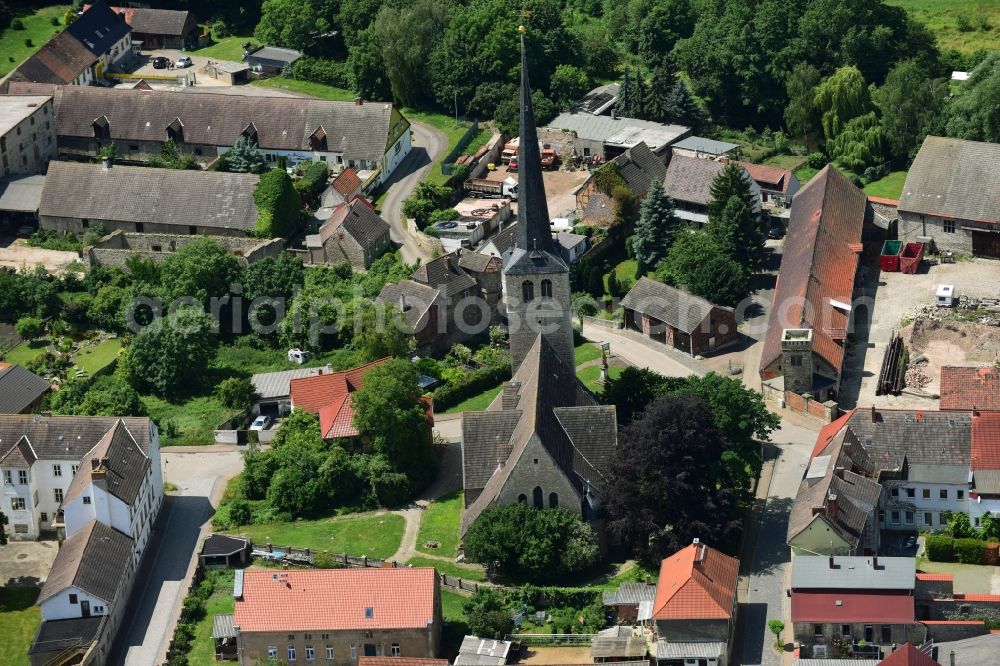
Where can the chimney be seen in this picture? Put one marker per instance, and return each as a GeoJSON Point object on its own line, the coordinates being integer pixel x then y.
{"type": "Point", "coordinates": [839, 473]}
{"type": "Point", "coordinates": [873, 414]}
{"type": "Point", "coordinates": [403, 306]}
{"type": "Point", "coordinates": [951, 658]}
{"type": "Point", "coordinates": [975, 412]}
{"type": "Point", "coordinates": [831, 506]}
{"type": "Point", "coordinates": [358, 101]}
{"type": "Point", "coordinates": [875, 562]}
{"type": "Point", "coordinates": [831, 562]}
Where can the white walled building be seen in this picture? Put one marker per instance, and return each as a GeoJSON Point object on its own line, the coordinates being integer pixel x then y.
{"type": "Point", "coordinates": [27, 134]}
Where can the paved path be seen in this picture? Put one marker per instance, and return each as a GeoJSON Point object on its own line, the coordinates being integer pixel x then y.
{"type": "Point", "coordinates": [640, 355]}
{"type": "Point", "coordinates": [448, 480]}
{"type": "Point", "coordinates": [763, 582]}
{"type": "Point", "coordinates": [163, 578]}
{"type": "Point", "coordinates": [428, 144]}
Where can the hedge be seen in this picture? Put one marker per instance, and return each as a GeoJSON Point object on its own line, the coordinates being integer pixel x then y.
{"type": "Point", "coordinates": [939, 548]}
{"type": "Point", "coordinates": [313, 181]}
{"type": "Point", "coordinates": [970, 551]}
{"type": "Point", "coordinates": [322, 70]}
{"type": "Point", "coordinates": [474, 383]}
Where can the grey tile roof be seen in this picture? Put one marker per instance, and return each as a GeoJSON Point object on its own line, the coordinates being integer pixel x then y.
{"type": "Point", "coordinates": [270, 385]}
{"type": "Point", "coordinates": [222, 626]}
{"type": "Point", "coordinates": [360, 132]}
{"type": "Point", "coordinates": [707, 146]}
{"type": "Point", "coordinates": [630, 594]}
{"type": "Point", "coordinates": [123, 463]}
{"type": "Point", "coordinates": [478, 263]}
{"type": "Point", "coordinates": [275, 54]}
{"type": "Point", "coordinates": [569, 240]}
{"type": "Point", "coordinates": [21, 194]}
{"type": "Point", "coordinates": [221, 544]}
{"type": "Point", "coordinates": [486, 436]}
{"type": "Point", "coordinates": [473, 645]}
{"type": "Point", "coordinates": [418, 299]}
{"type": "Point", "coordinates": [66, 437]}
{"type": "Point", "coordinates": [970, 651]}
{"type": "Point", "coordinates": [92, 559]}
{"type": "Point", "coordinates": [639, 167]}
{"type": "Point", "coordinates": [20, 455]}
{"type": "Point", "coordinates": [811, 572]}
{"type": "Point", "coordinates": [206, 199]}
{"type": "Point", "coordinates": [600, 128]}
{"type": "Point", "coordinates": [954, 178]}
{"type": "Point", "coordinates": [19, 388]}
{"type": "Point", "coordinates": [954, 474]}
{"type": "Point", "coordinates": [689, 179]}
{"type": "Point", "coordinates": [445, 274]}
{"type": "Point", "coordinates": [920, 437]}
{"type": "Point", "coordinates": [359, 220]}
{"type": "Point", "coordinates": [987, 482]}
{"type": "Point", "coordinates": [502, 241]}
{"type": "Point", "coordinates": [677, 308]}
{"type": "Point", "coordinates": [59, 61]}
{"type": "Point", "coordinates": [54, 637]}
{"type": "Point", "coordinates": [99, 28]}
{"type": "Point", "coordinates": [679, 650]}
{"type": "Point", "coordinates": [618, 646]}
{"type": "Point", "coordinates": [158, 21]}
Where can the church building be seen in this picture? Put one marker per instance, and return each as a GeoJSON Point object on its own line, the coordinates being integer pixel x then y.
{"type": "Point", "coordinates": [545, 439]}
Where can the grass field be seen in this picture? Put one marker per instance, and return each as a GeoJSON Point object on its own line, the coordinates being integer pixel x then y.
{"type": "Point", "coordinates": [453, 130]}
{"type": "Point", "coordinates": [624, 274]}
{"type": "Point", "coordinates": [591, 374]}
{"type": "Point", "coordinates": [374, 535]}
{"type": "Point", "coordinates": [26, 351]}
{"type": "Point", "coordinates": [942, 17]}
{"type": "Point", "coordinates": [790, 162]}
{"type": "Point", "coordinates": [230, 48]}
{"type": "Point", "coordinates": [93, 359]}
{"type": "Point", "coordinates": [476, 403]}
{"type": "Point", "coordinates": [195, 418]}
{"type": "Point", "coordinates": [440, 523]}
{"type": "Point", "coordinates": [969, 578]}
{"type": "Point", "coordinates": [306, 88]}
{"type": "Point", "coordinates": [221, 601]}
{"type": "Point", "coordinates": [449, 568]}
{"type": "Point", "coordinates": [19, 620]}
{"type": "Point", "coordinates": [452, 606]}
{"type": "Point", "coordinates": [37, 27]}
{"type": "Point", "coordinates": [586, 351]}
{"type": "Point", "coordinates": [890, 187]}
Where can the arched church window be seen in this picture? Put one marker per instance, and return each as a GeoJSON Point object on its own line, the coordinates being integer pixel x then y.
{"type": "Point", "coordinates": [527, 291]}
{"type": "Point", "coordinates": [537, 492]}
{"type": "Point", "coordinates": [546, 288]}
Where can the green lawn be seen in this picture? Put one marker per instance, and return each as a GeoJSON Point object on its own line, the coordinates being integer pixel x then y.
{"type": "Point", "coordinates": [230, 48]}
{"type": "Point", "coordinates": [449, 568]}
{"type": "Point", "coordinates": [374, 535]}
{"type": "Point", "coordinates": [942, 18]}
{"type": "Point", "coordinates": [586, 351]}
{"type": "Point", "coordinates": [790, 162]}
{"type": "Point", "coordinates": [969, 578]}
{"type": "Point", "coordinates": [445, 123]}
{"type": "Point", "coordinates": [319, 90]}
{"type": "Point", "coordinates": [452, 606]}
{"type": "Point", "coordinates": [890, 187]}
{"type": "Point", "coordinates": [37, 27]}
{"type": "Point", "coordinates": [221, 601]}
{"type": "Point", "coordinates": [19, 620]}
{"type": "Point", "coordinates": [804, 173]}
{"type": "Point", "coordinates": [440, 523]}
{"type": "Point", "coordinates": [476, 403]}
{"type": "Point", "coordinates": [592, 373]}
{"type": "Point", "coordinates": [624, 274]}
{"type": "Point", "coordinates": [93, 359]}
{"type": "Point", "coordinates": [195, 418]}
{"type": "Point", "coordinates": [26, 351]}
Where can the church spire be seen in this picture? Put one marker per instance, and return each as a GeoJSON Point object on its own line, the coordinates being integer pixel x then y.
{"type": "Point", "coordinates": [532, 212]}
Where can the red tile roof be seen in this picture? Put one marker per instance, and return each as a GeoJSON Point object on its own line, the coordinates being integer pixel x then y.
{"type": "Point", "coordinates": [848, 606]}
{"type": "Point", "coordinates": [908, 655]}
{"type": "Point", "coordinates": [986, 441]}
{"type": "Point", "coordinates": [968, 388]}
{"type": "Point", "coordinates": [348, 182]}
{"type": "Point", "coordinates": [978, 597]}
{"type": "Point", "coordinates": [401, 661]}
{"type": "Point", "coordinates": [934, 576]}
{"type": "Point", "coordinates": [328, 396]}
{"type": "Point", "coordinates": [336, 599]}
{"type": "Point", "coordinates": [884, 201]}
{"type": "Point", "coordinates": [818, 264]}
{"type": "Point", "coordinates": [828, 432]}
{"type": "Point", "coordinates": [696, 583]}
{"type": "Point", "coordinates": [770, 177]}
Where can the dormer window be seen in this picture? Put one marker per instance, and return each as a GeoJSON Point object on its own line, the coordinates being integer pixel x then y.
{"type": "Point", "coordinates": [250, 133]}
{"type": "Point", "coordinates": [102, 128]}
{"type": "Point", "coordinates": [175, 131]}
{"type": "Point", "coordinates": [317, 140]}
{"type": "Point", "coordinates": [369, 613]}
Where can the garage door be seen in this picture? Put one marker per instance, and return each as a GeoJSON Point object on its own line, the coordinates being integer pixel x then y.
{"type": "Point", "coordinates": [986, 244]}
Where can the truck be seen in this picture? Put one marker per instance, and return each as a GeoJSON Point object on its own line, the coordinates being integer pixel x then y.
{"type": "Point", "coordinates": [548, 158]}
{"type": "Point", "coordinates": [491, 189]}
{"type": "Point", "coordinates": [509, 151]}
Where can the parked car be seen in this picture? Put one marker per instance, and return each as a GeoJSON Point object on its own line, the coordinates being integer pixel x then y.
{"type": "Point", "coordinates": [261, 423]}
{"type": "Point", "coordinates": [512, 166]}
{"type": "Point", "coordinates": [775, 232]}
{"type": "Point", "coordinates": [161, 62]}
{"type": "Point", "coordinates": [183, 61]}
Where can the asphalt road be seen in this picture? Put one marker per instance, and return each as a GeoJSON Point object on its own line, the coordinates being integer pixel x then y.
{"type": "Point", "coordinates": [428, 144]}
{"type": "Point", "coordinates": [162, 580]}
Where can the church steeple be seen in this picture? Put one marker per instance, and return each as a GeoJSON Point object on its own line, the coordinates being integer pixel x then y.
{"type": "Point", "coordinates": [533, 232]}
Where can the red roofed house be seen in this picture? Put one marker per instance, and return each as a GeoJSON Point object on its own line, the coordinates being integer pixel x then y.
{"type": "Point", "coordinates": [348, 184]}
{"type": "Point", "coordinates": [776, 185]}
{"type": "Point", "coordinates": [336, 615]}
{"type": "Point", "coordinates": [984, 496]}
{"type": "Point", "coordinates": [328, 395]}
{"type": "Point", "coordinates": [970, 388]}
{"type": "Point", "coordinates": [695, 606]}
{"type": "Point", "coordinates": [812, 311]}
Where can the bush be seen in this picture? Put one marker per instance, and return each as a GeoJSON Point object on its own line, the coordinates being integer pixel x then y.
{"type": "Point", "coordinates": [54, 20]}
{"type": "Point", "coordinates": [236, 393]}
{"type": "Point", "coordinates": [939, 548]}
{"type": "Point", "coordinates": [327, 72]}
{"type": "Point", "coordinates": [29, 43]}
{"type": "Point", "coordinates": [817, 160]}
{"type": "Point", "coordinates": [17, 24]}
{"type": "Point", "coordinates": [313, 181]}
{"type": "Point", "coordinates": [474, 383]}
{"type": "Point", "coordinates": [29, 328]}
{"type": "Point", "coordinates": [963, 23]}
{"type": "Point", "coordinates": [970, 551]}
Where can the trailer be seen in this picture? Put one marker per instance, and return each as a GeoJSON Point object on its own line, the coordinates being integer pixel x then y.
{"type": "Point", "coordinates": [910, 257]}
{"type": "Point", "coordinates": [889, 259]}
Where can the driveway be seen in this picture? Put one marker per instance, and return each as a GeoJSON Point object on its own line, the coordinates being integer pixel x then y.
{"type": "Point", "coordinates": [26, 563]}
{"type": "Point", "coordinates": [145, 66]}
{"type": "Point", "coordinates": [428, 144]}
{"type": "Point", "coordinates": [15, 253]}
{"type": "Point", "coordinates": [200, 473]}
{"type": "Point", "coordinates": [762, 586]}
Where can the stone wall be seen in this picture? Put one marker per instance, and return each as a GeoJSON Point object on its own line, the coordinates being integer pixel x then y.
{"type": "Point", "coordinates": [943, 631]}
{"type": "Point", "coordinates": [913, 226]}
{"type": "Point", "coordinates": [824, 411]}
{"type": "Point", "coordinates": [926, 590]}
{"type": "Point", "coordinates": [117, 247]}
{"type": "Point", "coordinates": [602, 323]}
{"type": "Point", "coordinates": [421, 643]}
{"type": "Point", "coordinates": [965, 607]}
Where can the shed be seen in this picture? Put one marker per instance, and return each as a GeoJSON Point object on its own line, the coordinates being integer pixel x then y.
{"type": "Point", "coordinates": [617, 648]}
{"type": "Point", "coordinates": [221, 551]}
{"type": "Point", "coordinates": [271, 59]}
{"type": "Point", "coordinates": [224, 635]}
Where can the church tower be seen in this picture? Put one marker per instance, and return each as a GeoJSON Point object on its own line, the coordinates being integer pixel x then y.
{"type": "Point", "coordinates": [535, 278]}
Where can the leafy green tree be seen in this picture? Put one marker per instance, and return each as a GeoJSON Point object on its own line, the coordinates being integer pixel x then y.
{"type": "Point", "coordinates": [655, 228]}
{"type": "Point", "coordinates": [29, 328]}
{"type": "Point", "coordinates": [381, 331]}
{"type": "Point", "coordinates": [840, 97]}
{"type": "Point", "coordinates": [974, 114]}
{"type": "Point", "coordinates": [236, 393]}
{"type": "Point", "coordinates": [487, 615]}
{"type": "Point", "coordinates": [520, 542]}
{"type": "Point", "coordinates": [569, 83]}
{"type": "Point", "coordinates": [666, 484]}
{"type": "Point", "coordinates": [169, 356]}
{"type": "Point", "coordinates": [658, 25]}
{"type": "Point", "coordinates": [275, 277]}
{"type": "Point", "coordinates": [278, 205]}
{"type": "Point", "coordinates": [680, 107]}
{"type": "Point", "coordinates": [698, 265]}
{"type": "Point", "coordinates": [776, 627]}
{"type": "Point", "coordinates": [738, 234]}
{"type": "Point", "coordinates": [507, 115]}
{"type": "Point", "coordinates": [243, 157]}
{"type": "Point", "coordinates": [628, 100]}
{"type": "Point", "coordinates": [368, 67]}
{"type": "Point", "coordinates": [861, 143]}
{"type": "Point", "coordinates": [407, 36]}
{"type": "Point", "coordinates": [289, 23]}
{"type": "Point", "coordinates": [801, 114]}
{"type": "Point", "coordinates": [960, 527]}
{"type": "Point", "coordinates": [239, 512]}
{"type": "Point", "coordinates": [103, 396]}
{"type": "Point", "coordinates": [200, 270]}
{"type": "Point", "coordinates": [171, 157]}
{"type": "Point", "coordinates": [910, 104]}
